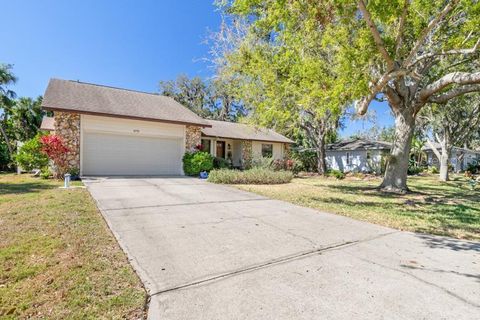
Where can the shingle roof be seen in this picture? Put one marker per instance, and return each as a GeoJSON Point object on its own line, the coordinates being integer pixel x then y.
{"type": "Point", "coordinates": [74, 96]}
{"type": "Point", "coordinates": [439, 147]}
{"type": "Point", "coordinates": [48, 123]}
{"type": "Point", "coordinates": [359, 144]}
{"type": "Point", "coordinates": [242, 131]}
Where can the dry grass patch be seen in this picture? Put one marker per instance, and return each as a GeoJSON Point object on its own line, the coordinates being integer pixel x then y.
{"type": "Point", "coordinates": [58, 258]}
{"type": "Point", "coordinates": [448, 208]}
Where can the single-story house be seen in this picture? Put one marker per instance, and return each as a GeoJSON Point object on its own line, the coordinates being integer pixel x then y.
{"type": "Point", "coordinates": [360, 155]}
{"type": "Point", "coordinates": [113, 131]}
{"type": "Point", "coordinates": [357, 155]}
{"type": "Point", "coordinates": [460, 158]}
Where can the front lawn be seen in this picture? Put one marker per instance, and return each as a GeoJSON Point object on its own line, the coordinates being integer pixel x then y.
{"type": "Point", "coordinates": [58, 258]}
{"type": "Point", "coordinates": [434, 207]}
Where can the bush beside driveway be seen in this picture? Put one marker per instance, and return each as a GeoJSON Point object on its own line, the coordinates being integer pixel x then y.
{"type": "Point", "coordinates": [58, 258]}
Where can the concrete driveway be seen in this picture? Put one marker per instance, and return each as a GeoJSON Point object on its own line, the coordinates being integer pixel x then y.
{"type": "Point", "coordinates": [208, 251]}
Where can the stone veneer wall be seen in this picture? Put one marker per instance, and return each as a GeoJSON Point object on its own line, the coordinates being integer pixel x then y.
{"type": "Point", "coordinates": [67, 127]}
{"type": "Point", "coordinates": [193, 137]}
{"type": "Point", "coordinates": [247, 154]}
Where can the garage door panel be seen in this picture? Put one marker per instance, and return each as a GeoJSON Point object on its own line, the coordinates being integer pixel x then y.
{"type": "Point", "coordinates": [114, 154]}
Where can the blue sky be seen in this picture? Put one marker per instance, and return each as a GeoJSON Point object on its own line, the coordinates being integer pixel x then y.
{"type": "Point", "coordinates": [124, 43]}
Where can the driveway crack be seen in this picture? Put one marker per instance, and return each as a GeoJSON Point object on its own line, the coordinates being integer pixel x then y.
{"type": "Point", "coordinates": [269, 263]}
{"type": "Point", "coordinates": [184, 204]}
{"type": "Point", "coordinates": [430, 284]}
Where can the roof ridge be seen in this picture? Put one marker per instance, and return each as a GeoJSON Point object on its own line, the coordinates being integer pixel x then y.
{"type": "Point", "coordinates": [112, 87]}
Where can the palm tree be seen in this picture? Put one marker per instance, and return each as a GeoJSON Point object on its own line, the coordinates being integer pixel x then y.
{"type": "Point", "coordinates": [6, 100]}
{"type": "Point", "coordinates": [26, 116]}
{"type": "Point", "coordinates": [417, 150]}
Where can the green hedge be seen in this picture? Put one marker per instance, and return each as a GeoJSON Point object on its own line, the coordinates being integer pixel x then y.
{"type": "Point", "coordinates": [196, 162]}
{"type": "Point", "coordinates": [251, 176]}
{"type": "Point", "coordinates": [30, 156]}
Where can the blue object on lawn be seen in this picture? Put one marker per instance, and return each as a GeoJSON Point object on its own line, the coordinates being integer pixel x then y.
{"type": "Point", "coordinates": [203, 175]}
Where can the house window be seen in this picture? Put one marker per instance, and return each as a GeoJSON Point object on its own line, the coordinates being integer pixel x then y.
{"type": "Point", "coordinates": [267, 150]}
{"type": "Point", "coordinates": [206, 145]}
{"type": "Point", "coordinates": [349, 158]}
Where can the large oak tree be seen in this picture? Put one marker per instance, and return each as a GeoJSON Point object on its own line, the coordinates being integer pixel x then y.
{"type": "Point", "coordinates": [409, 53]}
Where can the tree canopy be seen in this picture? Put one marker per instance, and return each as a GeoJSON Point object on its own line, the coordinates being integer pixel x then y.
{"type": "Point", "coordinates": [454, 124]}
{"type": "Point", "coordinates": [19, 118]}
{"type": "Point", "coordinates": [284, 66]}
{"type": "Point", "coordinates": [209, 99]}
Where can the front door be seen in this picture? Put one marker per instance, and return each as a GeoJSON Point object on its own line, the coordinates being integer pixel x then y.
{"type": "Point", "coordinates": [221, 149]}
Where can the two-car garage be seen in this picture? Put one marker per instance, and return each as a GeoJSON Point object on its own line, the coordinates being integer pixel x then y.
{"type": "Point", "coordinates": [114, 146]}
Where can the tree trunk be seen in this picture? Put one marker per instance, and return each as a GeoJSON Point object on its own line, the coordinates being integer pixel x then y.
{"type": "Point", "coordinates": [321, 163]}
{"type": "Point", "coordinates": [444, 156]}
{"type": "Point", "coordinates": [395, 179]}
{"type": "Point", "coordinates": [444, 160]}
{"type": "Point", "coordinates": [7, 141]}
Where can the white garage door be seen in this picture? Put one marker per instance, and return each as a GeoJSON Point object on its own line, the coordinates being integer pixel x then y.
{"type": "Point", "coordinates": [116, 154]}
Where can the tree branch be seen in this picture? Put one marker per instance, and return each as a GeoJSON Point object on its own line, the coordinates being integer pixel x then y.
{"type": "Point", "coordinates": [362, 105]}
{"type": "Point", "coordinates": [376, 34]}
{"type": "Point", "coordinates": [472, 50]}
{"type": "Point", "coordinates": [444, 97]}
{"type": "Point", "coordinates": [465, 131]}
{"type": "Point", "coordinates": [425, 32]}
{"type": "Point", "coordinates": [401, 26]}
{"type": "Point", "coordinates": [461, 78]}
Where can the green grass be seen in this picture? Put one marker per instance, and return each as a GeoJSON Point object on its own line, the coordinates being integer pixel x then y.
{"type": "Point", "coordinates": [441, 208]}
{"type": "Point", "coordinates": [58, 258]}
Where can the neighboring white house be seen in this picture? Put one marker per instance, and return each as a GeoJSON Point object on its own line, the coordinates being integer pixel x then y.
{"type": "Point", "coordinates": [356, 155]}
{"type": "Point", "coordinates": [361, 155]}
{"type": "Point", "coordinates": [460, 158]}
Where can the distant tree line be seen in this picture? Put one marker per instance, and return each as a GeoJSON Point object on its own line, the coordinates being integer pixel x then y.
{"type": "Point", "coordinates": [213, 99]}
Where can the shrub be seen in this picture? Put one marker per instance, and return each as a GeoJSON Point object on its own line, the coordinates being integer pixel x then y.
{"type": "Point", "coordinates": [336, 174]}
{"type": "Point", "coordinates": [30, 155]}
{"type": "Point", "coordinates": [262, 163]}
{"type": "Point", "coordinates": [251, 176]}
{"type": "Point", "coordinates": [306, 160]}
{"type": "Point", "coordinates": [433, 170]}
{"type": "Point", "coordinates": [45, 173]}
{"type": "Point", "coordinates": [413, 168]}
{"type": "Point", "coordinates": [473, 167]}
{"type": "Point", "coordinates": [196, 162]}
{"type": "Point", "coordinates": [220, 163]}
{"type": "Point", "coordinates": [55, 149]}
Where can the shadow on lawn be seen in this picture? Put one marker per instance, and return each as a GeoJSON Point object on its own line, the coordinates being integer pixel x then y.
{"type": "Point", "coordinates": [24, 187]}
{"type": "Point", "coordinates": [372, 191]}
{"type": "Point", "coordinates": [440, 218]}
{"type": "Point", "coordinates": [449, 243]}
